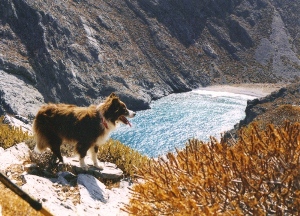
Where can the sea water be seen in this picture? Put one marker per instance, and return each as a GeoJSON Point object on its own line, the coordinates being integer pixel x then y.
{"type": "Point", "coordinates": [174, 119]}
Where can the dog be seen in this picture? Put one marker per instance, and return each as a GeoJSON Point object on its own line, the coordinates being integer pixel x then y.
{"type": "Point", "coordinates": [86, 127]}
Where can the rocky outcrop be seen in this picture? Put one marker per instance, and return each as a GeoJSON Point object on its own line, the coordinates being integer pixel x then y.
{"type": "Point", "coordinates": [80, 51]}
{"type": "Point", "coordinates": [67, 193]}
{"type": "Point", "coordinates": [289, 95]}
{"type": "Point", "coordinates": [18, 97]}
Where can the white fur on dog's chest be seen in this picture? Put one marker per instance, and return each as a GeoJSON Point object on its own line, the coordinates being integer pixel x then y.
{"type": "Point", "coordinates": [105, 136]}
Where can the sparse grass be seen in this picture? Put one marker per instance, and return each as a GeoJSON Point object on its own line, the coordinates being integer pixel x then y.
{"type": "Point", "coordinates": [259, 175]}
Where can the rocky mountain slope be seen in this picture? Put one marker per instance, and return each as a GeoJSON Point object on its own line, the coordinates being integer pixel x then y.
{"type": "Point", "coordinates": [79, 51]}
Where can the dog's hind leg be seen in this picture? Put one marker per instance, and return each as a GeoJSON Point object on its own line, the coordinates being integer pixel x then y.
{"type": "Point", "coordinates": [55, 148]}
{"type": "Point", "coordinates": [56, 154]}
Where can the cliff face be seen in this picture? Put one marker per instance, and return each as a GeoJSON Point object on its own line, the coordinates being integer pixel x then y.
{"type": "Point", "coordinates": [79, 51]}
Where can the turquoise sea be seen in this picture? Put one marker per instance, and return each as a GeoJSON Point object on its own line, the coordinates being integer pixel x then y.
{"type": "Point", "coordinates": [174, 119]}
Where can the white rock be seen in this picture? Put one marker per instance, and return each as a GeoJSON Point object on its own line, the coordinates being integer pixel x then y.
{"type": "Point", "coordinates": [14, 155]}
{"type": "Point", "coordinates": [95, 199]}
{"type": "Point", "coordinates": [111, 173]}
{"type": "Point", "coordinates": [118, 197]}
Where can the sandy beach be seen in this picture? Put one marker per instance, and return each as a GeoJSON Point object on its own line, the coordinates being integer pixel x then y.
{"type": "Point", "coordinates": [252, 89]}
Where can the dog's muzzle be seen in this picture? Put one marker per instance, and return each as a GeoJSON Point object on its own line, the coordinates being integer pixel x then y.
{"type": "Point", "coordinates": [124, 119]}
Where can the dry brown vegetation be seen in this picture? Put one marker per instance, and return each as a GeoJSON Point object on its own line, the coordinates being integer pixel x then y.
{"type": "Point", "coordinates": [259, 175]}
{"type": "Point", "coordinates": [10, 135]}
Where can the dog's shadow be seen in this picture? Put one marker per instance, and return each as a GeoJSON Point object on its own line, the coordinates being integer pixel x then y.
{"type": "Point", "coordinates": [95, 189]}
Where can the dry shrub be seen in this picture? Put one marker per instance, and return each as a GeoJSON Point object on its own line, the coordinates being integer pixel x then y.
{"type": "Point", "coordinates": [259, 175]}
{"type": "Point", "coordinates": [10, 135]}
{"type": "Point", "coordinates": [123, 156]}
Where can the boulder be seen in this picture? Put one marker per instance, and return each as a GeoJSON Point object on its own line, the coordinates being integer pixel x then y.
{"type": "Point", "coordinates": [42, 189]}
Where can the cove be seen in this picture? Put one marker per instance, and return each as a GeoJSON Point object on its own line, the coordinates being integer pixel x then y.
{"type": "Point", "coordinates": [174, 119]}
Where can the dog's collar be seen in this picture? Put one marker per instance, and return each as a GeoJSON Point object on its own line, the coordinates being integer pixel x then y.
{"type": "Point", "coordinates": [104, 123]}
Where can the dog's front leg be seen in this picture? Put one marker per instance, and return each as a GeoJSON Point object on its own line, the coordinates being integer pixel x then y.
{"type": "Point", "coordinates": [94, 157]}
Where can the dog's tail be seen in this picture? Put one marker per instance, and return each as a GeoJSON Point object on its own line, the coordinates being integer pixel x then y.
{"type": "Point", "coordinates": [40, 139]}
{"type": "Point", "coordinates": [41, 143]}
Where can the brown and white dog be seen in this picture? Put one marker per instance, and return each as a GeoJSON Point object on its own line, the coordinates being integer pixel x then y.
{"type": "Point", "coordinates": [86, 127]}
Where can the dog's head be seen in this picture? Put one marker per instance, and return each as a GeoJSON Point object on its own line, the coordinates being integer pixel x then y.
{"type": "Point", "coordinates": [114, 110]}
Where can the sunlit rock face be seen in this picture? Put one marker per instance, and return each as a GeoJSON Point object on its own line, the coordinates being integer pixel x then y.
{"type": "Point", "coordinates": [80, 51]}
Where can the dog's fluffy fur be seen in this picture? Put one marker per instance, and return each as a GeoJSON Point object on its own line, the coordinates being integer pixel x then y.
{"type": "Point", "coordinates": [87, 127]}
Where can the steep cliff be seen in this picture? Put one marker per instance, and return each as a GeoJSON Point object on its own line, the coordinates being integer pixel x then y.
{"type": "Point", "coordinates": [79, 51]}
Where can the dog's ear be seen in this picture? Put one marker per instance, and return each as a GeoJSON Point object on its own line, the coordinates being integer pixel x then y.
{"type": "Point", "coordinates": [115, 100]}
{"type": "Point", "coordinates": [112, 95]}
{"type": "Point", "coordinates": [116, 104]}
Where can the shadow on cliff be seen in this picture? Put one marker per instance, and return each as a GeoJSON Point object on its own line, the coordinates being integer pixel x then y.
{"type": "Point", "coordinates": [186, 19]}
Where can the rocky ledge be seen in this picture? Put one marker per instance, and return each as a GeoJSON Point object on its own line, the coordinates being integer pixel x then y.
{"type": "Point", "coordinates": [74, 192]}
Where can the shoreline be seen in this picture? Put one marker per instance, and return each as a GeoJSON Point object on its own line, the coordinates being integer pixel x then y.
{"type": "Point", "coordinates": [252, 89]}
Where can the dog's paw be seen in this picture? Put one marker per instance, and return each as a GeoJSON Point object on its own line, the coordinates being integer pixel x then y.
{"type": "Point", "coordinates": [83, 164]}
{"type": "Point", "coordinates": [98, 166]}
